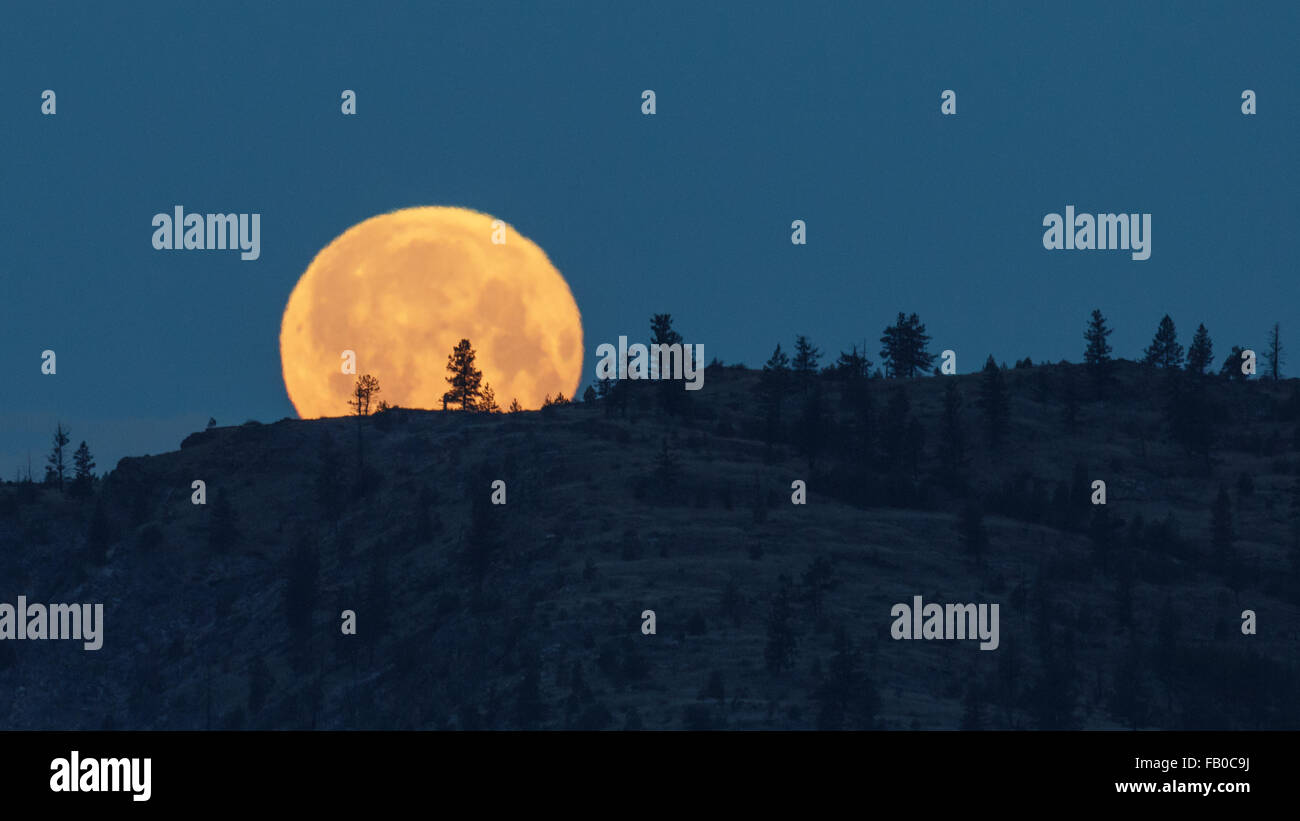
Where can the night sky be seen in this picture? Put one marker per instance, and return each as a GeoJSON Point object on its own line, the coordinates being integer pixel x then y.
{"type": "Point", "coordinates": [767, 113]}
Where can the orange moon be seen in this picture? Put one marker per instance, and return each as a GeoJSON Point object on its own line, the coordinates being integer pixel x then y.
{"type": "Point", "coordinates": [401, 289]}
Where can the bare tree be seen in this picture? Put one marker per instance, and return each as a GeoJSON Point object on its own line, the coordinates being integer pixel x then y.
{"type": "Point", "coordinates": [1273, 353]}
{"type": "Point", "coordinates": [367, 386]}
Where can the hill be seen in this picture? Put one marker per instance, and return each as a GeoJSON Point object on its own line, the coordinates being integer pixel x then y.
{"type": "Point", "coordinates": [768, 614]}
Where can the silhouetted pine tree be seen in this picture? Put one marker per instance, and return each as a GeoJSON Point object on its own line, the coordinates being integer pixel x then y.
{"type": "Point", "coordinates": [1097, 354]}
{"type": "Point", "coordinates": [903, 350]}
{"type": "Point", "coordinates": [57, 470]}
{"type": "Point", "coordinates": [1231, 369]}
{"type": "Point", "coordinates": [1098, 349]}
{"type": "Point", "coordinates": [671, 397]}
{"type": "Point", "coordinates": [83, 471]}
{"type": "Point", "coordinates": [1201, 354]}
{"type": "Point", "coordinates": [661, 330]}
{"type": "Point", "coordinates": [804, 364]}
{"type": "Point", "coordinates": [852, 365]}
{"type": "Point", "coordinates": [1164, 350]}
{"type": "Point", "coordinates": [465, 379]}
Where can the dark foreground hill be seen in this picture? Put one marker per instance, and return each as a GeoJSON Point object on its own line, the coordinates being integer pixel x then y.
{"type": "Point", "coordinates": [768, 614]}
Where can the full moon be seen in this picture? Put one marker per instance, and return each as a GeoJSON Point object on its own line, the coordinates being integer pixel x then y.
{"type": "Point", "coordinates": [401, 289]}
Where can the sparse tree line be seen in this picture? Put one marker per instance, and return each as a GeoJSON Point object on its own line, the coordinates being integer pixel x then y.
{"type": "Point", "coordinates": [466, 389]}
{"type": "Point", "coordinates": [72, 473]}
{"type": "Point", "coordinates": [893, 439]}
{"type": "Point", "coordinates": [875, 449]}
{"type": "Point", "coordinates": [904, 354]}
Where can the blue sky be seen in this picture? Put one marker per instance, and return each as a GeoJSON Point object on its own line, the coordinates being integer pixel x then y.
{"type": "Point", "coordinates": [766, 113]}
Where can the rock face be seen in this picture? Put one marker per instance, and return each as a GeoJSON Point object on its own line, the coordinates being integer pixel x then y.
{"type": "Point", "coordinates": [767, 614]}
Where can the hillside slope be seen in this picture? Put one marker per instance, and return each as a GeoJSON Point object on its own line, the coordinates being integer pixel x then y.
{"type": "Point", "coordinates": [529, 614]}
